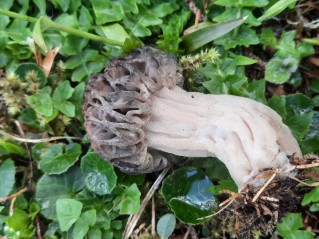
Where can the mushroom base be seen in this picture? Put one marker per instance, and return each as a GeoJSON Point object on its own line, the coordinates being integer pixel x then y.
{"type": "Point", "coordinates": [244, 218]}
{"type": "Point", "coordinates": [247, 136]}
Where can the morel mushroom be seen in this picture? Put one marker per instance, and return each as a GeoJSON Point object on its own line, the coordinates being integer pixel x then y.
{"type": "Point", "coordinates": [136, 115]}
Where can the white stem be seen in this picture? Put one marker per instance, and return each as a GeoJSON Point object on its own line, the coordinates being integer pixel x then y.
{"type": "Point", "coordinates": [245, 135]}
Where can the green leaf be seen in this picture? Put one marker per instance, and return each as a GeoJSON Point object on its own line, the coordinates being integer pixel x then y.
{"type": "Point", "coordinates": [85, 18]}
{"type": "Point", "coordinates": [60, 96]}
{"type": "Point", "coordinates": [243, 60]}
{"type": "Point", "coordinates": [19, 220]}
{"type": "Point", "coordinates": [37, 35]}
{"type": "Point", "coordinates": [58, 158]}
{"type": "Point", "coordinates": [62, 4]}
{"type": "Point", "coordinates": [207, 34]}
{"type": "Point", "coordinates": [34, 209]}
{"type": "Point", "coordinates": [166, 225]}
{"type": "Point", "coordinates": [41, 102]}
{"type": "Point", "coordinates": [50, 188]}
{"type": "Point", "coordinates": [24, 68]}
{"type": "Point", "coordinates": [68, 212]}
{"type": "Point", "coordinates": [290, 223]}
{"type": "Point", "coordinates": [276, 72]}
{"type": "Point", "coordinates": [223, 185]}
{"type": "Point", "coordinates": [7, 147]}
{"type": "Point", "coordinates": [288, 228]}
{"type": "Point", "coordinates": [314, 41]}
{"type": "Point", "coordinates": [244, 36]}
{"type": "Point", "coordinates": [129, 200]}
{"type": "Point", "coordinates": [106, 11]}
{"type": "Point", "coordinates": [277, 8]}
{"type": "Point", "coordinates": [267, 37]}
{"type": "Point", "coordinates": [312, 196]}
{"type": "Point", "coordinates": [232, 13]}
{"type": "Point", "coordinates": [99, 174]}
{"type": "Point", "coordinates": [242, 3]}
{"type": "Point", "coordinates": [41, 4]}
{"type": "Point", "coordinates": [113, 32]}
{"type": "Point", "coordinates": [77, 99]}
{"type": "Point", "coordinates": [185, 190]}
{"type": "Point", "coordinates": [7, 174]}
{"type": "Point", "coordinates": [28, 117]}
{"type": "Point", "coordinates": [82, 226]}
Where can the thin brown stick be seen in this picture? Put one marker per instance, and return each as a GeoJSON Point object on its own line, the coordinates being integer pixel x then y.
{"type": "Point", "coordinates": [37, 220]}
{"type": "Point", "coordinates": [153, 216]}
{"type": "Point", "coordinates": [187, 232]}
{"type": "Point", "coordinates": [304, 183]}
{"type": "Point", "coordinates": [116, 204]}
{"type": "Point", "coordinates": [132, 223]}
{"type": "Point", "coordinates": [34, 141]}
{"type": "Point", "coordinates": [23, 190]}
{"type": "Point", "coordinates": [264, 186]}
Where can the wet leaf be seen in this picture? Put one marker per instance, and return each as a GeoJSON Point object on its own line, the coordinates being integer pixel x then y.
{"type": "Point", "coordinates": [185, 190]}
{"type": "Point", "coordinates": [99, 174]}
{"type": "Point", "coordinates": [7, 176]}
{"type": "Point", "coordinates": [50, 188]}
{"type": "Point", "coordinates": [68, 212]}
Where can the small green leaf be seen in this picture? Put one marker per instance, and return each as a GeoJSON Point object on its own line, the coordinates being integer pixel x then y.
{"type": "Point", "coordinates": [7, 147]}
{"type": "Point", "coordinates": [267, 37]}
{"type": "Point", "coordinates": [24, 68]}
{"type": "Point", "coordinates": [34, 209]}
{"type": "Point", "coordinates": [19, 220]}
{"type": "Point", "coordinates": [99, 174]}
{"type": "Point", "coordinates": [205, 35]}
{"type": "Point", "coordinates": [130, 200]}
{"type": "Point", "coordinates": [243, 60]}
{"type": "Point", "coordinates": [41, 102]}
{"type": "Point", "coordinates": [114, 32]}
{"type": "Point", "coordinates": [82, 226]}
{"type": "Point", "coordinates": [312, 196]}
{"type": "Point", "coordinates": [68, 212]}
{"type": "Point", "coordinates": [277, 8]}
{"type": "Point", "coordinates": [56, 160]}
{"type": "Point", "coordinates": [60, 96]}
{"type": "Point", "coordinates": [106, 11]}
{"type": "Point", "coordinates": [166, 225]}
{"type": "Point", "coordinates": [37, 35]}
{"type": "Point", "coordinates": [242, 3]}
{"type": "Point", "coordinates": [7, 175]}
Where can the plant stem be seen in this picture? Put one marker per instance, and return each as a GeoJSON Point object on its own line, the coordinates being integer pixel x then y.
{"type": "Point", "coordinates": [51, 24]}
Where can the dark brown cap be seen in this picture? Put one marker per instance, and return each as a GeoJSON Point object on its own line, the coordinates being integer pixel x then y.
{"type": "Point", "coordinates": [117, 107]}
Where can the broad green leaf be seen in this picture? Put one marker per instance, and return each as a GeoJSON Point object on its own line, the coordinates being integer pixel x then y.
{"type": "Point", "coordinates": [129, 201]}
{"type": "Point", "coordinates": [166, 225]}
{"type": "Point", "coordinates": [129, 6]}
{"type": "Point", "coordinates": [82, 226]}
{"type": "Point", "coordinates": [99, 174]}
{"type": "Point", "coordinates": [290, 223]}
{"type": "Point", "coordinates": [37, 35]}
{"type": "Point", "coordinates": [277, 8]}
{"type": "Point", "coordinates": [205, 35]}
{"type": "Point", "coordinates": [59, 158]}
{"type": "Point", "coordinates": [19, 220]}
{"type": "Point", "coordinates": [185, 190]}
{"type": "Point", "coordinates": [276, 72]}
{"type": "Point", "coordinates": [4, 20]}
{"type": "Point", "coordinates": [305, 49]}
{"type": "Point", "coordinates": [68, 212]}
{"type": "Point", "coordinates": [244, 36]}
{"type": "Point", "coordinates": [41, 101]}
{"type": "Point", "coordinates": [24, 68]}
{"type": "Point", "coordinates": [106, 11]}
{"type": "Point", "coordinates": [50, 188]}
{"type": "Point", "coordinates": [312, 196]}
{"type": "Point", "coordinates": [113, 32]}
{"type": "Point", "coordinates": [7, 176]}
